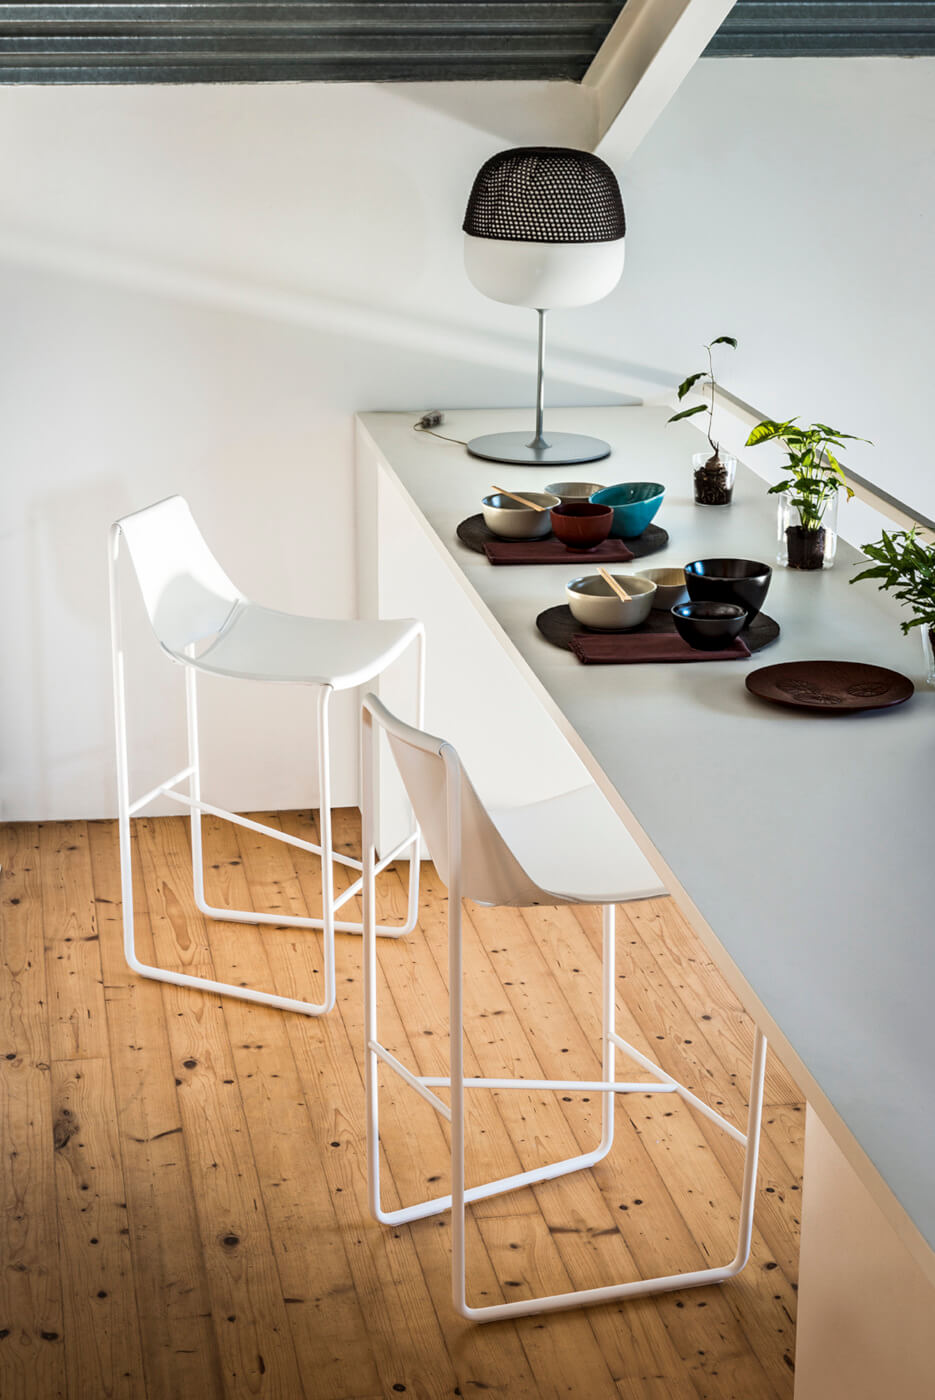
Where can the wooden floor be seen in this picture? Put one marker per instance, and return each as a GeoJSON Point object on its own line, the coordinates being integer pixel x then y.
{"type": "Point", "coordinates": [183, 1178]}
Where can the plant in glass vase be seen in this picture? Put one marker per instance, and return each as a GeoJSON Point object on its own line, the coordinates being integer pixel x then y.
{"type": "Point", "coordinates": [809, 493]}
{"type": "Point", "coordinates": [714, 471]}
{"type": "Point", "coordinates": [905, 566]}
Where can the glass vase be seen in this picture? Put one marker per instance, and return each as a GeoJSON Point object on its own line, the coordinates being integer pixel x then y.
{"type": "Point", "coordinates": [801, 548]}
{"type": "Point", "coordinates": [928, 653]}
{"type": "Point", "coordinates": [713, 475]}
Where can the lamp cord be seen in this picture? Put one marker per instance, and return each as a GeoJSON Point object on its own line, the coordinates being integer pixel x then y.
{"type": "Point", "coordinates": [421, 428]}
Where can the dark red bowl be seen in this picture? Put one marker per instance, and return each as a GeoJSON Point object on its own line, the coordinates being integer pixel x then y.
{"type": "Point", "coordinates": [582, 524]}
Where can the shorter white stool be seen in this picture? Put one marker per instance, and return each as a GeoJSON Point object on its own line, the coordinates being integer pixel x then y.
{"type": "Point", "coordinates": [206, 624]}
{"type": "Point", "coordinates": [493, 859]}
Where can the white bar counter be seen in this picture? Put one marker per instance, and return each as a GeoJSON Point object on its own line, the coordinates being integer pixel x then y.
{"type": "Point", "coordinates": [800, 846]}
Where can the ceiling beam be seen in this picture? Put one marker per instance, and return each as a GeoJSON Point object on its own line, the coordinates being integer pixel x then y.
{"type": "Point", "coordinates": [641, 64]}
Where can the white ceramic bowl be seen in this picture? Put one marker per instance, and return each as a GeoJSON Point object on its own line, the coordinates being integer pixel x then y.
{"type": "Point", "coordinates": [511, 521]}
{"type": "Point", "coordinates": [571, 491]}
{"type": "Point", "coordinates": [670, 586]}
{"type": "Point", "coordinates": [594, 603]}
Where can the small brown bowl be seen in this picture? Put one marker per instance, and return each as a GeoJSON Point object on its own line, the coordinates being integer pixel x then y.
{"type": "Point", "coordinates": [581, 525]}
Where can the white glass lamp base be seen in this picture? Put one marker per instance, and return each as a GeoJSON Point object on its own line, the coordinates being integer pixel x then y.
{"type": "Point", "coordinates": [560, 449]}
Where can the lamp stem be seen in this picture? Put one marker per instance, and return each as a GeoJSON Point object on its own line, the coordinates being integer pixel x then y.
{"type": "Point", "coordinates": [539, 440]}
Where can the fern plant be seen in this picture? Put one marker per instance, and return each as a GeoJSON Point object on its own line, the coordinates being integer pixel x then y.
{"type": "Point", "coordinates": [905, 567]}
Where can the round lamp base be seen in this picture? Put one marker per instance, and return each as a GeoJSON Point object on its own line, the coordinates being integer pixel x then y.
{"type": "Point", "coordinates": [561, 449]}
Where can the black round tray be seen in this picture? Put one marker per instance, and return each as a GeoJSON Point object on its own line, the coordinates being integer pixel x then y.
{"type": "Point", "coordinates": [474, 533]}
{"type": "Point", "coordinates": [558, 626]}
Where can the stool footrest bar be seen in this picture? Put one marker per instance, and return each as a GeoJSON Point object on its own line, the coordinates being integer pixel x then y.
{"type": "Point", "coordinates": [358, 885]}
{"type": "Point", "coordinates": [683, 1093]}
{"type": "Point", "coordinates": [409, 1078]}
{"type": "Point", "coordinates": [160, 790]}
{"type": "Point", "coordinates": [284, 836]}
{"type": "Point", "coordinates": [593, 1086]}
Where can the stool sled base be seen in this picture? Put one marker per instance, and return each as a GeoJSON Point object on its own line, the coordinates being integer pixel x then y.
{"type": "Point", "coordinates": [461, 837]}
{"type": "Point", "coordinates": [204, 623]}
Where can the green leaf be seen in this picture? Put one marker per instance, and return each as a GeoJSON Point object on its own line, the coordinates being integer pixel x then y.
{"type": "Point", "coordinates": [688, 412]}
{"type": "Point", "coordinates": [771, 428]}
{"type": "Point", "coordinates": [881, 571]}
{"type": "Point", "coordinates": [834, 433]}
{"type": "Point", "coordinates": [725, 340]}
{"type": "Point", "coordinates": [905, 567]}
{"type": "Point", "coordinates": [764, 432]}
{"type": "Point", "coordinates": [686, 384]}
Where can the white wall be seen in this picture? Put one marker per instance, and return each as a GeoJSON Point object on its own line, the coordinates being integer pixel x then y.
{"type": "Point", "coordinates": [201, 285]}
{"type": "Point", "coordinates": [791, 202]}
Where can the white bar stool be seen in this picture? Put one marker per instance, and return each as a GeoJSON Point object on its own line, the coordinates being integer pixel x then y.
{"type": "Point", "coordinates": [206, 624]}
{"type": "Point", "coordinates": [490, 858]}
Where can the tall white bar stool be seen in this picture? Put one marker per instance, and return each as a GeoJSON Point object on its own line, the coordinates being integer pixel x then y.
{"type": "Point", "coordinates": [204, 623]}
{"type": "Point", "coordinates": [491, 857]}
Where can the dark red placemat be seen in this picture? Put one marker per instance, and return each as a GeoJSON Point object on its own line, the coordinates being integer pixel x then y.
{"type": "Point", "coordinates": [622, 648]}
{"type": "Point", "coordinates": [552, 551]}
{"type": "Point", "coordinates": [474, 534]}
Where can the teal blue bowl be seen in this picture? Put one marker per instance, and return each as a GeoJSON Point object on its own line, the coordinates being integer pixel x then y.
{"type": "Point", "coordinates": [634, 502]}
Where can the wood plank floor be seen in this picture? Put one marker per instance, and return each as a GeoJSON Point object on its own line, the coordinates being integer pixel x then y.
{"type": "Point", "coordinates": [184, 1195]}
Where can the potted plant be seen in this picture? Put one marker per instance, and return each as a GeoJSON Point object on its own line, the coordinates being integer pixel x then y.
{"type": "Point", "coordinates": [905, 566]}
{"type": "Point", "coordinates": [808, 506]}
{"type": "Point", "coordinates": [713, 471]}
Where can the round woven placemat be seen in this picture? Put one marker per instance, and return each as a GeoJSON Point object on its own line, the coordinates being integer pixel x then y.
{"type": "Point", "coordinates": [474, 533]}
{"type": "Point", "coordinates": [558, 626]}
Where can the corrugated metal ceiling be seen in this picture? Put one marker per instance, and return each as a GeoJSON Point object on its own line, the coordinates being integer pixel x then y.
{"type": "Point", "coordinates": [826, 28]}
{"type": "Point", "coordinates": [391, 41]}
{"type": "Point", "coordinates": [308, 41]}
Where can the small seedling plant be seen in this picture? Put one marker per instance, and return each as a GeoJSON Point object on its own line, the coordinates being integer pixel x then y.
{"type": "Point", "coordinates": [704, 377]}
{"type": "Point", "coordinates": [905, 566]}
{"type": "Point", "coordinates": [712, 486]}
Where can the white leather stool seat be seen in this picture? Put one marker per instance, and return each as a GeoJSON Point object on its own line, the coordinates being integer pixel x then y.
{"type": "Point", "coordinates": [258, 643]}
{"type": "Point", "coordinates": [575, 847]}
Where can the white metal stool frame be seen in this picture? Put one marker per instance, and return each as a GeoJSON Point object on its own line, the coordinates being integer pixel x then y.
{"type": "Point", "coordinates": [128, 808]}
{"type": "Point", "coordinates": [608, 1086]}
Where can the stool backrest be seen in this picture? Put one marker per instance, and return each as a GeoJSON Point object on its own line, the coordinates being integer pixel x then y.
{"type": "Point", "coordinates": [187, 595]}
{"type": "Point", "coordinates": [436, 783]}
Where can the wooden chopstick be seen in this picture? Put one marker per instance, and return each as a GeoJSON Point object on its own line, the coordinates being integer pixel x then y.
{"type": "Point", "coordinates": [533, 505]}
{"type": "Point", "coordinates": [621, 593]}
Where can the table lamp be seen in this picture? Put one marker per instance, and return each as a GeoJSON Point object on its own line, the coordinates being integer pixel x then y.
{"type": "Point", "coordinates": [544, 228]}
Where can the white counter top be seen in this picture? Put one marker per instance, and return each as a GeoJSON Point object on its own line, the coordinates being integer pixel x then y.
{"type": "Point", "coordinates": [803, 842]}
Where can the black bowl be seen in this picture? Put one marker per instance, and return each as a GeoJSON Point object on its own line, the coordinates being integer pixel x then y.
{"type": "Point", "coordinates": [743, 582]}
{"type": "Point", "coordinates": [708, 626]}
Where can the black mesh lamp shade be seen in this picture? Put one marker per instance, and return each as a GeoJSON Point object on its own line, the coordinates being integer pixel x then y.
{"type": "Point", "coordinates": [544, 228]}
